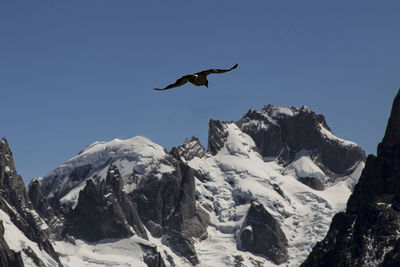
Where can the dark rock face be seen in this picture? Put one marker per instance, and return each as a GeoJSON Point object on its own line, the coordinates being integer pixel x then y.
{"type": "Point", "coordinates": [12, 185]}
{"type": "Point", "coordinates": [104, 202]}
{"type": "Point", "coordinates": [15, 201]}
{"type": "Point", "coordinates": [283, 134]}
{"type": "Point", "coordinates": [312, 182]}
{"type": "Point", "coordinates": [367, 233]}
{"type": "Point", "coordinates": [189, 150]}
{"type": "Point", "coordinates": [184, 244]}
{"type": "Point", "coordinates": [169, 203]}
{"type": "Point", "coordinates": [216, 136]}
{"type": "Point", "coordinates": [8, 257]}
{"type": "Point", "coordinates": [152, 257]}
{"type": "Point", "coordinates": [262, 234]}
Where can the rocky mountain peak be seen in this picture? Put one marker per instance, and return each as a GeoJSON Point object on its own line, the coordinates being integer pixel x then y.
{"type": "Point", "coordinates": [190, 149]}
{"type": "Point", "coordinates": [389, 146]}
{"type": "Point", "coordinates": [216, 136]}
{"type": "Point", "coordinates": [114, 179]}
{"type": "Point", "coordinates": [11, 183]}
{"type": "Point", "coordinates": [281, 133]}
{"type": "Point", "coordinates": [17, 209]}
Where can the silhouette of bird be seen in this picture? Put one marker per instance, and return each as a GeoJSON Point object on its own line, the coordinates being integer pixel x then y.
{"type": "Point", "coordinates": [198, 79]}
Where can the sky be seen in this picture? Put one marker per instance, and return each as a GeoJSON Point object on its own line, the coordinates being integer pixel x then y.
{"type": "Point", "coordinates": [76, 72]}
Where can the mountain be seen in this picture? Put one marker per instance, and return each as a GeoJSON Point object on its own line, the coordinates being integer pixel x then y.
{"type": "Point", "coordinates": [24, 236]}
{"type": "Point", "coordinates": [262, 193]}
{"type": "Point", "coordinates": [367, 233]}
{"type": "Point", "coordinates": [241, 172]}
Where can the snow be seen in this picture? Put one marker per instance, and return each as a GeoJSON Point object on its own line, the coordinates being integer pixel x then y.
{"type": "Point", "coordinates": [238, 174]}
{"type": "Point", "coordinates": [272, 113]}
{"type": "Point", "coordinates": [72, 196]}
{"type": "Point", "coordinates": [304, 166]}
{"type": "Point", "coordinates": [220, 249]}
{"type": "Point", "coordinates": [136, 156]}
{"type": "Point", "coordinates": [7, 169]}
{"type": "Point", "coordinates": [39, 221]}
{"type": "Point", "coordinates": [279, 111]}
{"type": "Point", "coordinates": [162, 246]}
{"type": "Point", "coordinates": [165, 168]}
{"type": "Point", "coordinates": [17, 241]}
{"type": "Point", "coordinates": [109, 252]}
{"type": "Point", "coordinates": [329, 135]}
{"type": "Point", "coordinates": [256, 124]}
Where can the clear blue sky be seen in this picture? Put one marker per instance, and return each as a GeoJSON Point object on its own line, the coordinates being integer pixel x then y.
{"type": "Point", "coordinates": [73, 72]}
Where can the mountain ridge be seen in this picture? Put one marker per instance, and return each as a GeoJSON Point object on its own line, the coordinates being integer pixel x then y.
{"type": "Point", "coordinates": [193, 205]}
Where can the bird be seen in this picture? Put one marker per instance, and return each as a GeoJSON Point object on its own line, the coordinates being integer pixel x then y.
{"type": "Point", "coordinates": [198, 78]}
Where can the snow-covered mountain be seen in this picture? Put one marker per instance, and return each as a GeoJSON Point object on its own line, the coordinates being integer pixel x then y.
{"type": "Point", "coordinates": [262, 194]}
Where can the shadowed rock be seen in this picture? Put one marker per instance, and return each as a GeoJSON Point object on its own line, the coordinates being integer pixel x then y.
{"type": "Point", "coordinates": [282, 132]}
{"type": "Point", "coordinates": [104, 202]}
{"type": "Point", "coordinates": [367, 233]}
{"type": "Point", "coordinates": [312, 182]}
{"type": "Point", "coordinates": [53, 219]}
{"type": "Point", "coordinates": [151, 256]}
{"type": "Point", "coordinates": [262, 234]}
{"type": "Point", "coordinates": [169, 203]}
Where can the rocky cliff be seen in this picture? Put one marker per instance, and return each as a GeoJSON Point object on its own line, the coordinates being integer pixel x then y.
{"type": "Point", "coordinates": [283, 132]}
{"type": "Point", "coordinates": [367, 233]}
{"type": "Point", "coordinates": [20, 222]}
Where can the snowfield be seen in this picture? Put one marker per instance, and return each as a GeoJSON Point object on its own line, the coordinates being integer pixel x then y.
{"type": "Point", "coordinates": [125, 252]}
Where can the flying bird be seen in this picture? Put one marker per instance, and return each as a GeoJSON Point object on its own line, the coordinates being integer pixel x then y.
{"type": "Point", "coordinates": [198, 79]}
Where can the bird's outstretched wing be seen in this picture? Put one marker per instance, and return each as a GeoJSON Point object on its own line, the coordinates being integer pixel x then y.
{"type": "Point", "coordinates": [211, 71]}
{"type": "Point", "coordinates": [181, 81]}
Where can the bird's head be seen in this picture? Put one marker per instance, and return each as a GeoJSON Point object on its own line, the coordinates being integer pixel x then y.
{"type": "Point", "coordinates": [206, 84]}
